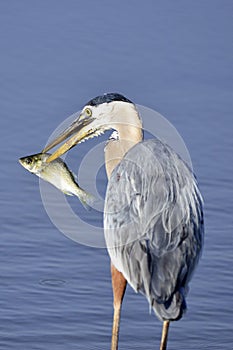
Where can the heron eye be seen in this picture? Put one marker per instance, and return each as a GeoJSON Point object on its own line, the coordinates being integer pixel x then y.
{"type": "Point", "coordinates": [88, 112]}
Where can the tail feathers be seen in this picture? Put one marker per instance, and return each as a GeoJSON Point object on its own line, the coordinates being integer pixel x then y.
{"type": "Point", "coordinates": [172, 309]}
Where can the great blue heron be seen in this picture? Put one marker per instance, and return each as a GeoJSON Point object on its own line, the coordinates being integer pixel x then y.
{"type": "Point", "coordinates": [153, 219]}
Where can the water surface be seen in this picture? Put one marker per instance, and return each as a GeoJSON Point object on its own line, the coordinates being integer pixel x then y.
{"type": "Point", "coordinates": [175, 57]}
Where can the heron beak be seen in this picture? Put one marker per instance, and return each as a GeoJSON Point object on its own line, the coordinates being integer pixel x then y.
{"type": "Point", "coordinates": [78, 129]}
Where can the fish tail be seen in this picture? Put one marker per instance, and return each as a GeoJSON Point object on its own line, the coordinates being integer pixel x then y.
{"type": "Point", "coordinates": [85, 198]}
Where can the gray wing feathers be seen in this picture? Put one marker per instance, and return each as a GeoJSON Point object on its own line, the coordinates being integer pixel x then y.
{"type": "Point", "coordinates": [153, 224]}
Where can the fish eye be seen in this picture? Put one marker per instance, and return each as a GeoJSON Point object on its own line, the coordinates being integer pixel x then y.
{"type": "Point", "coordinates": [28, 160]}
{"type": "Point", "coordinates": [88, 112]}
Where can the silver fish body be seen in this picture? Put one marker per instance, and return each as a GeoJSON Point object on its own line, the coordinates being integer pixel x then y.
{"type": "Point", "coordinates": [57, 173]}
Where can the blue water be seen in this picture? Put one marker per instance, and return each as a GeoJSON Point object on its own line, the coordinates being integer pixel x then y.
{"type": "Point", "coordinates": [175, 57]}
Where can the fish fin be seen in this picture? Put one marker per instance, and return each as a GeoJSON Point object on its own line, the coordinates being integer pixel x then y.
{"type": "Point", "coordinates": [68, 193]}
{"type": "Point", "coordinates": [74, 175]}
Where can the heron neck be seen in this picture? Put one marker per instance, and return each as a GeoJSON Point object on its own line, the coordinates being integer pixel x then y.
{"type": "Point", "coordinates": [129, 131]}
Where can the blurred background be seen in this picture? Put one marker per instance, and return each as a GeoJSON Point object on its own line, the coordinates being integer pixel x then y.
{"type": "Point", "coordinates": [174, 57]}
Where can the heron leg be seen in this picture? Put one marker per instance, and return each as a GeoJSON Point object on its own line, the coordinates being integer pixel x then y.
{"type": "Point", "coordinates": [163, 344]}
{"type": "Point", "coordinates": [118, 285]}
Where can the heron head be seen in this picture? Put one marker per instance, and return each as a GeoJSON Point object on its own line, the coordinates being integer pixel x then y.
{"type": "Point", "coordinates": [98, 115]}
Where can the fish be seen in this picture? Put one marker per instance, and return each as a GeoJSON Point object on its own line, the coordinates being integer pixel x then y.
{"type": "Point", "coordinates": [58, 174]}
